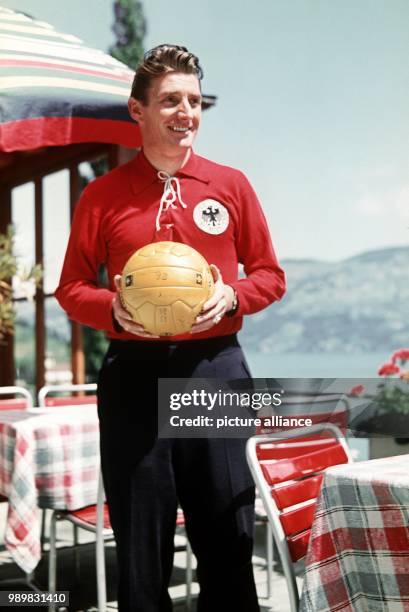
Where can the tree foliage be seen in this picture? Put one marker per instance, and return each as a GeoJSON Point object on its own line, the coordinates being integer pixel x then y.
{"type": "Point", "coordinates": [129, 29]}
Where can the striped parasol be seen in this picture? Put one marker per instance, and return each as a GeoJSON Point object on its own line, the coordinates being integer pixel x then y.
{"type": "Point", "coordinates": [55, 91]}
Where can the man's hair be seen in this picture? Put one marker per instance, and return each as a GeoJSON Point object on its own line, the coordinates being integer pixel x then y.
{"type": "Point", "coordinates": [158, 61]}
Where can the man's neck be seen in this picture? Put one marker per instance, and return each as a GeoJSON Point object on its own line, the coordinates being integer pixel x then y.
{"type": "Point", "coordinates": [167, 163]}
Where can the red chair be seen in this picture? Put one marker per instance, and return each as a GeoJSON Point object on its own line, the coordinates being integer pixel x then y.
{"type": "Point", "coordinates": [288, 470]}
{"type": "Point", "coordinates": [14, 403]}
{"type": "Point", "coordinates": [93, 518]}
{"type": "Point", "coordinates": [319, 407]}
{"type": "Point", "coordinates": [52, 396]}
{"type": "Point", "coordinates": [49, 396]}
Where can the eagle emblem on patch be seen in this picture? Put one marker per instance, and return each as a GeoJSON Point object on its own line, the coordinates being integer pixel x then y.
{"type": "Point", "coordinates": [211, 217]}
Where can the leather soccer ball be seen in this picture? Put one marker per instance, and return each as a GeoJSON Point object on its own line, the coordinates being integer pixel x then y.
{"type": "Point", "coordinates": [164, 286]}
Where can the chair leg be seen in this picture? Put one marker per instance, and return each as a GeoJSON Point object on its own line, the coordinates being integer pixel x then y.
{"type": "Point", "coordinates": [43, 528]}
{"type": "Point", "coordinates": [76, 551]}
{"type": "Point", "coordinates": [101, 579]}
{"type": "Point", "coordinates": [269, 549]}
{"type": "Point", "coordinates": [52, 560]}
{"type": "Point", "coordinates": [189, 576]}
{"type": "Point", "coordinates": [100, 549]}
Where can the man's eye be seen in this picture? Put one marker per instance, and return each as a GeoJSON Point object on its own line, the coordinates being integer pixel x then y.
{"type": "Point", "coordinates": [171, 100]}
{"type": "Point", "coordinates": [194, 102]}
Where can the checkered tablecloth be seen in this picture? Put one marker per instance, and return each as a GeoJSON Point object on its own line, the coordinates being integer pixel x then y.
{"type": "Point", "coordinates": [46, 461]}
{"type": "Point", "coordinates": [358, 558]}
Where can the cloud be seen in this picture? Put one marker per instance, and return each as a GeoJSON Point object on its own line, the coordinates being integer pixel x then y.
{"type": "Point", "coordinates": [394, 202]}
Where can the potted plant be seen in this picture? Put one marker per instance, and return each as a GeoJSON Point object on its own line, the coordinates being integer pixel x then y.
{"type": "Point", "coordinates": [9, 268]}
{"type": "Point", "coordinates": [392, 401]}
{"type": "Point", "coordinates": [384, 415]}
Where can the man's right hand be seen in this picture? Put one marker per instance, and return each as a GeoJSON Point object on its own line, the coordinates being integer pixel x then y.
{"type": "Point", "coordinates": [123, 317]}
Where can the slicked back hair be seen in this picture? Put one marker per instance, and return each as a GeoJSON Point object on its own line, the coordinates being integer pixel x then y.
{"type": "Point", "coordinates": [158, 61]}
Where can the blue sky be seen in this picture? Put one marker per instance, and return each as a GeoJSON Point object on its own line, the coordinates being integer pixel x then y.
{"type": "Point", "coordinates": [312, 107]}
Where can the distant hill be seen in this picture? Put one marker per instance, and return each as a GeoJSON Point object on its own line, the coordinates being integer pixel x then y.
{"type": "Point", "coordinates": [359, 304]}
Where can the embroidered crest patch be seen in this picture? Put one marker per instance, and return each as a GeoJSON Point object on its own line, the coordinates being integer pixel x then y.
{"type": "Point", "coordinates": [211, 216]}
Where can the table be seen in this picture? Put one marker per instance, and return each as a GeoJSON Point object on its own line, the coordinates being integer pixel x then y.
{"type": "Point", "coordinates": [48, 459]}
{"type": "Point", "coordinates": [358, 557]}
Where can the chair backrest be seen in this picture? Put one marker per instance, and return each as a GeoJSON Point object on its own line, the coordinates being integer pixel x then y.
{"type": "Point", "coordinates": [62, 395]}
{"type": "Point", "coordinates": [318, 407]}
{"type": "Point", "coordinates": [288, 470]}
{"type": "Point", "coordinates": [15, 403]}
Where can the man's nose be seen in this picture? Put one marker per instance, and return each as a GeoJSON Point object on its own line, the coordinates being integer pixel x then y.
{"type": "Point", "coordinates": [185, 108]}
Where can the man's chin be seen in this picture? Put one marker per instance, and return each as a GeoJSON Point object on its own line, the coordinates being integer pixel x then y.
{"type": "Point", "coordinates": [184, 143]}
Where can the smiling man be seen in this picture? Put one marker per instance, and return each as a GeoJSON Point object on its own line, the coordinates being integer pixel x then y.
{"type": "Point", "coordinates": [169, 193]}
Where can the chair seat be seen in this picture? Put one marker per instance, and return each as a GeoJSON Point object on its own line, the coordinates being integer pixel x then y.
{"type": "Point", "coordinates": [87, 517]}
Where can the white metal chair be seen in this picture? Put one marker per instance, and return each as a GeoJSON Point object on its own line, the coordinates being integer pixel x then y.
{"type": "Point", "coordinates": [288, 470]}
{"type": "Point", "coordinates": [320, 408]}
{"type": "Point", "coordinates": [94, 518]}
{"type": "Point", "coordinates": [52, 396]}
{"type": "Point", "coordinates": [49, 396]}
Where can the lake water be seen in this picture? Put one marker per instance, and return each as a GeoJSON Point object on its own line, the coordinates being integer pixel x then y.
{"type": "Point", "coordinates": [320, 365]}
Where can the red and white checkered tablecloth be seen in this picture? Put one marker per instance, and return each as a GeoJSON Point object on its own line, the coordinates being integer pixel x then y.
{"type": "Point", "coordinates": [46, 461]}
{"type": "Point", "coordinates": [358, 558]}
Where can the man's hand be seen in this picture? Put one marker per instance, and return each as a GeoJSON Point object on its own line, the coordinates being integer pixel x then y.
{"type": "Point", "coordinates": [214, 309]}
{"type": "Point", "coordinates": [123, 317]}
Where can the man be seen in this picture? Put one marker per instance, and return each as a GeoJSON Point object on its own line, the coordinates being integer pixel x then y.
{"type": "Point", "coordinates": [169, 193]}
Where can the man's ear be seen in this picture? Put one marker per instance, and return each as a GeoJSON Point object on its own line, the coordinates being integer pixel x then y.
{"type": "Point", "coordinates": [135, 109]}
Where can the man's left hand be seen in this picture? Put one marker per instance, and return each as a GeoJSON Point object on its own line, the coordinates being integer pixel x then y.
{"type": "Point", "coordinates": [216, 307]}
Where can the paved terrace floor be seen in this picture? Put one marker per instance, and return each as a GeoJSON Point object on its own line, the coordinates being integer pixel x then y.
{"type": "Point", "coordinates": [82, 584]}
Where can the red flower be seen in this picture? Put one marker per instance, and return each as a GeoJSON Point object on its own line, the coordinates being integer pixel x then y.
{"type": "Point", "coordinates": [357, 390]}
{"type": "Point", "coordinates": [402, 354]}
{"type": "Point", "coordinates": [388, 369]}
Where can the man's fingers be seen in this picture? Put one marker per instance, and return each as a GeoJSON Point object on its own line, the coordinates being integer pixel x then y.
{"type": "Point", "coordinates": [119, 310]}
{"type": "Point", "coordinates": [216, 308]}
{"type": "Point", "coordinates": [200, 327]}
{"type": "Point", "coordinates": [213, 301]}
{"type": "Point", "coordinates": [215, 312]}
{"type": "Point", "coordinates": [135, 328]}
{"type": "Point", "coordinates": [125, 319]}
{"type": "Point", "coordinates": [117, 281]}
{"type": "Point", "coordinates": [212, 318]}
{"type": "Point", "coordinates": [215, 273]}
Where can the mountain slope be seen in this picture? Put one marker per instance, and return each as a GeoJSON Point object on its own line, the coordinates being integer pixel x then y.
{"type": "Point", "coordinates": [356, 305]}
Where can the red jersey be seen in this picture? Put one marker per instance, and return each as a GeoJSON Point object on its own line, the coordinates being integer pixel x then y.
{"type": "Point", "coordinates": [215, 211]}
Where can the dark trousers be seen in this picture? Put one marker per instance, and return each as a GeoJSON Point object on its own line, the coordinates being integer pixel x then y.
{"type": "Point", "coordinates": [146, 477]}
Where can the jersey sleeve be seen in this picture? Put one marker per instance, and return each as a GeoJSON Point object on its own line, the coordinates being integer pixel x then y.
{"type": "Point", "coordinates": [78, 291]}
{"type": "Point", "coordinates": [265, 279]}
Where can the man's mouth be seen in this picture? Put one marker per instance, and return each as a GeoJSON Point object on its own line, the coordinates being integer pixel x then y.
{"type": "Point", "coordinates": [179, 128]}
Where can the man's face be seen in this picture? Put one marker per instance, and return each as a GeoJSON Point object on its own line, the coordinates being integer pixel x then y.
{"type": "Point", "coordinates": [170, 120]}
